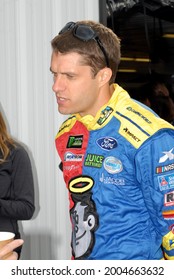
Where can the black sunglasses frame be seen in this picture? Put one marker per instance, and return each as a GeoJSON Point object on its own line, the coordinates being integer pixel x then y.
{"type": "Point", "coordinates": [84, 33]}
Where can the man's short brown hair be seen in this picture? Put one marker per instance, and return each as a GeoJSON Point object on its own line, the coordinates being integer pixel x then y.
{"type": "Point", "coordinates": [90, 51]}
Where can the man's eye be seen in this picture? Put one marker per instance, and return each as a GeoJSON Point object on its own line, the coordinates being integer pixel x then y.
{"type": "Point", "coordinates": [70, 76]}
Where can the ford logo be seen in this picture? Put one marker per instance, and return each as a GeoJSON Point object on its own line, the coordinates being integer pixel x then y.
{"type": "Point", "coordinates": [107, 143]}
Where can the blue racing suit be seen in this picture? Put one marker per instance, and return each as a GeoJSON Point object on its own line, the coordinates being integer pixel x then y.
{"type": "Point", "coordinates": [119, 169]}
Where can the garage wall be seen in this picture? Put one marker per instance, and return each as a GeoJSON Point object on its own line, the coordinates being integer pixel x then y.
{"type": "Point", "coordinates": [30, 109]}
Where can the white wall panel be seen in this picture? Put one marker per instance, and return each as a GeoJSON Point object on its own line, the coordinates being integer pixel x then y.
{"type": "Point", "coordinates": [27, 101]}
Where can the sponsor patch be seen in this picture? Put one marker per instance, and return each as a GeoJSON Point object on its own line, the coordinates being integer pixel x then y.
{"type": "Point", "coordinates": [113, 165]}
{"type": "Point", "coordinates": [171, 243]}
{"type": "Point", "coordinates": [72, 157]}
{"type": "Point", "coordinates": [111, 180]}
{"type": "Point", "coordinates": [130, 134]}
{"type": "Point", "coordinates": [138, 114]}
{"type": "Point", "coordinates": [71, 167]}
{"type": "Point", "coordinates": [166, 182]}
{"type": "Point", "coordinates": [166, 168]}
{"type": "Point", "coordinates": [171, 227]}
{"type": "Point", "coordinates": [107, 143]}
{"type": "Point", "coordinates": [104, 115]}
{"type": "Point", "coordinates": [168, 215]}
{"type": "Point", "coordinates": [75, 141]}
{"type": "Point", "coordinates": [80, 184]}
{"type": "Point", "coordinates": [167, 156]}
{"type": "Point", "coordinates": [169, 199]}
{"type": "Point", "coordinates": [93, 160]}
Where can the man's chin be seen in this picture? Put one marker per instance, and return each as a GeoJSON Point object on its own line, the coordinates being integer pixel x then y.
{"type": "Point", "coordinates": [63, 111]}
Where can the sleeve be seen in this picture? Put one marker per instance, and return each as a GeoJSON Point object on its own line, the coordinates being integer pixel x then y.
{"type": "Point", "coordinates": [155, 172]}
{"type": "Point", "coordinates": [20, 204]}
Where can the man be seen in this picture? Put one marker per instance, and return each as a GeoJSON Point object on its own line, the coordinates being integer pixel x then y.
{"type": "Point", "coordinates": [117, 157]}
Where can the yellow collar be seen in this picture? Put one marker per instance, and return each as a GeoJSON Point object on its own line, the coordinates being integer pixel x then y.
{"type": "Point", "coordinates": [105, 112]}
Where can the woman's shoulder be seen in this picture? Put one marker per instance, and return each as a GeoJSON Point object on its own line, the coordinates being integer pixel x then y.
{"type": "Point", "coordinates": [18, 150]}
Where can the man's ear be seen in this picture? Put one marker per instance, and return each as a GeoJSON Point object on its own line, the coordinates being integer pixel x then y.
{"type": "Point", "coordinates": [105, 75]}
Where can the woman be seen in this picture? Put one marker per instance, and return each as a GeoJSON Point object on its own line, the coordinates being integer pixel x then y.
{"type": "Point", "coordinates": [16, 184]}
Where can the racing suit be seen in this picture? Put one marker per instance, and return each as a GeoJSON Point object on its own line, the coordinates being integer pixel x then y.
{"type": "Point", "coordinates": [119, 169]}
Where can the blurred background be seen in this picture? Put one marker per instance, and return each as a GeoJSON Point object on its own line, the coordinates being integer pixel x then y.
{"type": "Point", "coordinates": [146, 30]}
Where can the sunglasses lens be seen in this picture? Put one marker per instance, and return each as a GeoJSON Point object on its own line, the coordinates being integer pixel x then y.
{"type": "Point", "coordinates": [67, 27]}
{"type": "Point", "coordinates": [84, 32]}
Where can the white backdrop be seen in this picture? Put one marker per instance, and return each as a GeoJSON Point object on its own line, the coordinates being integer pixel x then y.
{"type": "Point", "coordinates": [30, 109]}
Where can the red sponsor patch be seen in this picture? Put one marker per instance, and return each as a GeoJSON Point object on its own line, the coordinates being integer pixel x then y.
{"type": "Point", "coordinates": [169, 199]}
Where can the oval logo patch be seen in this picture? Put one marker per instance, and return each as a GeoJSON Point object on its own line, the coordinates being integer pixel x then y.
{"type": "Point", "coordinates": [113, 165]}
{"type": "Point", "coordinates": [107, 143]}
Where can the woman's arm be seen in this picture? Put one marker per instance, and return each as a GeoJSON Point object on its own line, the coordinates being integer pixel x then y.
{"type": "Point", "coordinates": [20, 203]}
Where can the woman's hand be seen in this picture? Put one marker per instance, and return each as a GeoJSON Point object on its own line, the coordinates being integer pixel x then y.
{"type": "Point", "coordinates": [9, 248]}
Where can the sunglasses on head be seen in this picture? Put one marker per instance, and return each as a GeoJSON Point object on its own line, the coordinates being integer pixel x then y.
{"type": "Point", "coordinates": [84, 33]}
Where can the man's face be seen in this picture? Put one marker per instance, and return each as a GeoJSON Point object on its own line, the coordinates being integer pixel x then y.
{"type": "Point", "coordinates": [76, 90]}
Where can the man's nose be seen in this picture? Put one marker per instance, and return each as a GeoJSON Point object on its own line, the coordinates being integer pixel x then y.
{"type": "Point", "coordinates": [58, 84]}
